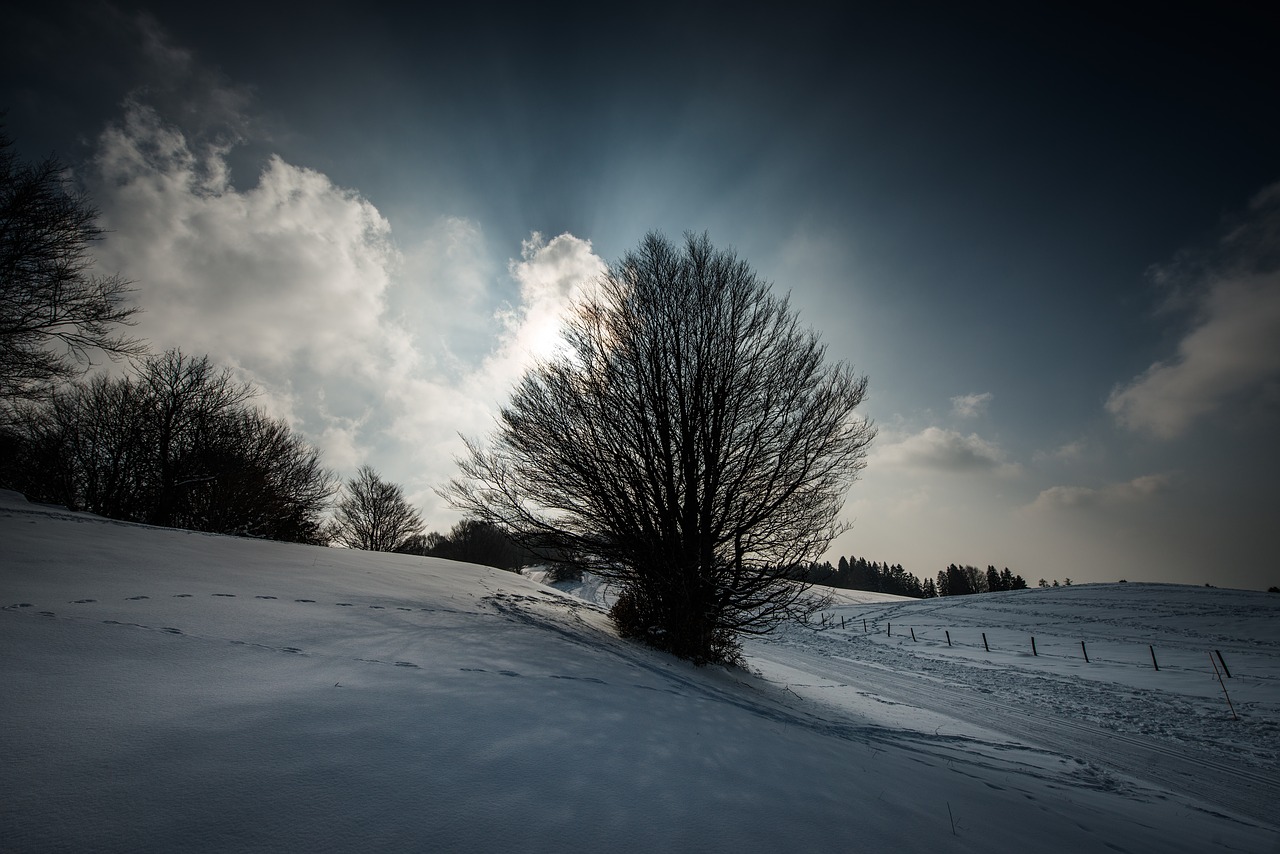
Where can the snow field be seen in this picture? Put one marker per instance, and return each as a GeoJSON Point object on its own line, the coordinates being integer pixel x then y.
{"type": "Point", "coordinates": [167, 690]}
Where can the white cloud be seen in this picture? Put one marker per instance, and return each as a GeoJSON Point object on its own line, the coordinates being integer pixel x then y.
{"type": "Point", "coordinates": [970, 405]}
{"type": "Point", "coordinates": [1232, 349]}
{"type": "Point", "coordinates": [1130, 492]}
{"type": "Point", "coordinates": [945, 450]}
{"type": "Point", "coordinates": [291, 272]}
{"type": "Point", "coordinates": [552, 275]}
{"type": "Point", "coordinates": [297, 284]}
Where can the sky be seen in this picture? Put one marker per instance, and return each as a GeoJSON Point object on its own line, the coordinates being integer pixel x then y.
{"type": "Point", "coordinates": [1051, 239]}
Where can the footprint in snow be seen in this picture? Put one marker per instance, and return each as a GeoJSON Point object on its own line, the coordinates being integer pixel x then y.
{"type": "Point", "coordinates": [182, 596]}
{"type": "Point", "coordinates": [304, 600]}
{"type": "Point", "coordinates": [404, 609]}
{"type": "Point", "coordinates": [264, 597]}
{"type": "Point", "coordinates": [405, 664]}
{"type": "Point", "coordinates": [226, 595]}
{"type": "Point", "coordinates": [171, 630]}
{"type": "Point", "coordinates": [508, 673]}
{"type": "Point", "coordinates": [580, 679]}
{"type": "Point", "coordinates": [18, 605]}
{"type": "Point", "coordinates": [46, 613]}
{"type": "Point", "coordinates": [83, 601]}
{"type": "Point", "coordinates": [136, 598]}
{"type": "Point", "coordinates": [377, 607]}
{"type": "Point", "coordinates": [344, 604]}
{"type": "Point", "coordinates": [292, 649]}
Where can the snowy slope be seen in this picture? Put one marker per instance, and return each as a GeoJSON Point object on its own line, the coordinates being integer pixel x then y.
{"type": "Point", "coordinates": [173, 691]}
{"type": "Point", "coordinates": [1214, 739]}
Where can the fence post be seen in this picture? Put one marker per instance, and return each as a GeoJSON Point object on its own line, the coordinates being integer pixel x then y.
{"type": "Point", "coordinates": [864, 625]}
{"type": "Point", "coordinates": [948, 637]}
{"type": "Point", "coordinates": [1224, 665]}
{"type": "Point", "coordinates": [984, 642]}
{"type": "Point", "coordinates": [1230, 705]}
{"type": "Point", "coordinates": [842, 621]}
{"type": "Point", "coordinates": [1153, 656]}
{"type": "Point", "coordinates": [1033, 646]}
{"type": "Point", "coordinates": [1085, 651]}
{"type": "Point", "coordinates": [891, 630]}
{"type": "Point", "coordinates": [913, 633]}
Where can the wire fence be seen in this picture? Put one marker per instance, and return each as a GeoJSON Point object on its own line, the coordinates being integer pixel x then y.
{"type": "Point", "coordinates": [974, 638]}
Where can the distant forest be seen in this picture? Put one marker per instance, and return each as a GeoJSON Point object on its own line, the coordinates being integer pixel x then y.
{"type": "Point", "coordinates": [856, 573]}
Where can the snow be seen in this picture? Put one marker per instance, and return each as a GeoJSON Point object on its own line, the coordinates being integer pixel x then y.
{"type": "Point", "coordinates": [173, 691]}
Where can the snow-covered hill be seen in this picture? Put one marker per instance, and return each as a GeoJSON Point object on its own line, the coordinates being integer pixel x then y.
{"type": "Point", "coordinates": [172, 691]}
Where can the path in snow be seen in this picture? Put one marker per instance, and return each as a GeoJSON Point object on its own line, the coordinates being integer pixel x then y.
{"type": "Point", "coordinates": [1052, 710]}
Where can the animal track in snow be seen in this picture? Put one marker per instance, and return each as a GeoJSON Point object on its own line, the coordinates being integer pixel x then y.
{"type": "Point", "coordinates": [405, 664]}
{"type": "Point", "coordinates": [304, 600]}
{"type": "Point", "coordinates": [136, 598]}
{"type": "Point", "coordinates": [171, 630]}
{"type": "Point", "coordinates": [83, 601]}
{"type": "Point", "coordinates": [182, 596]}
{"type": "Point", "coordinates": [226, 595]}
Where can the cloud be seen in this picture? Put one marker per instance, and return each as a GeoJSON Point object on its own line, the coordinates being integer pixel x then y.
{"type": "Point", "coordinates": [290, 273]}
{"type": "Point", "coordinates": [298, 285]}
{"type": "Point", "coordinates": [945, 450]}
{"type": "Point", "coordinates": [970, 405]}
{"type": "Point", "coordinates": [1232, 349]}
{"type": "Point", "coordinates": [552, 275]}
{"type": "Point", "coordinates": [1130, 492]}
{"type": "Point", "coordinates": [1070, 452]}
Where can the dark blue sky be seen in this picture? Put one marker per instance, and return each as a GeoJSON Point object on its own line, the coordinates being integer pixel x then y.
{"type": "Point", "coordinates": [1017, 219]}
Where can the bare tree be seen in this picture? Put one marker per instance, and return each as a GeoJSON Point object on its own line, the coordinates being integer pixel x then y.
{"type": "Point", "coordinates": [373, 515]}
{"type": "Point", "coordinates": [187, 397]}
{"type": "Point", "coordinates": [53, 309]}
{"type": "Point", "coordinates": [172, 445]}
{"type": "Point", "coordinates": [690, 444]}
{"type": "Point", "coordinates": [255, 477]}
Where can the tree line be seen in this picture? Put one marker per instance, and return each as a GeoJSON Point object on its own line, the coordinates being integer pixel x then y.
{"type": "Point", "coordinates": [856, 573]}
{"type": "Point", "coordinates": [962, 580]}
{"type": "Point", "coordinates": [175, 443]}
{"type": "Point", "coordinates": [172, 443]}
